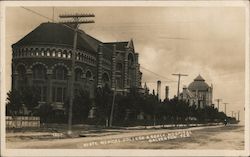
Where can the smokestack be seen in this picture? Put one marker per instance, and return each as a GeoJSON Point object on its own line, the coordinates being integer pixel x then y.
{"type": "Point", "coordinates": [166, 92]}
{"type": "Point", "coordinates": [159, 89]}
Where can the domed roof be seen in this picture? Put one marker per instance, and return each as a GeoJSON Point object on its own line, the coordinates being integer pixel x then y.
{"type": "Point", "coordinates": [198, 84]}
{"type": "Point", "coordinates": [60, 35]}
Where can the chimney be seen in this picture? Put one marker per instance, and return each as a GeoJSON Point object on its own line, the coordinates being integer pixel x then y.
{"type": "Point", "coordinates": [166, 92]}
{"type": "Point", "coordinates": [159, 89]}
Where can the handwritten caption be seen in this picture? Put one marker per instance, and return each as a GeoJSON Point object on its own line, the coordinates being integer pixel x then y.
{"type": "Point", "coordinates": [151, 138]}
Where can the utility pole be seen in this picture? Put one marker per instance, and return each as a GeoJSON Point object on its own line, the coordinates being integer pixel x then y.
{"type": "Point", "coordinates": [225, 108]}
{"type": "Point", "coordinates": [53, 14]}
{"type": "Point", "coordinates": [179, 78]}
{"type": "Point", "coordinates": [238, 115]}
{"type": "Point", "coordinates": [232, 113]}
{"type": "Point", "coordinates": [112, 107]}
{"type": "Point", "coordinates": [76, 20]}
{"type": "Point", "coordinates": [218, 101]}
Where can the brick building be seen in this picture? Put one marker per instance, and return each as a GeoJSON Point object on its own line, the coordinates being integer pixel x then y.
{"type": "Point", "coordinates": [42, 59]}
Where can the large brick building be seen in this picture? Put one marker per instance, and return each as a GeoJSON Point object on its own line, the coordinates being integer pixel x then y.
{"type": "Point", "coordinates": [42, 59]}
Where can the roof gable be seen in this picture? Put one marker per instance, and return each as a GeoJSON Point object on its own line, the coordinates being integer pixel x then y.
{"type": "Point", "coordinates": [131, 44]}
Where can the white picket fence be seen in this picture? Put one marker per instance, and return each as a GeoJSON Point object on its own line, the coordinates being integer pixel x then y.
{"type": "Point", "coordinates": [22, 121]}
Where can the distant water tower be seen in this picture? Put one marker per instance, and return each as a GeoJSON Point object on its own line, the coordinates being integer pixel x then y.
{"type": "Point", "coordinates": [166, 92]}
{"type": "Point", "coordinates": [159, 89]}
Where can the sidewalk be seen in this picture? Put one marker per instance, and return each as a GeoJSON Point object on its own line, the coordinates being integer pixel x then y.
{"type": "Point", "coordinates": [59, 131]}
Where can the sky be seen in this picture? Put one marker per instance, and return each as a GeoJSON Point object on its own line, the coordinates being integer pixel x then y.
{"type": "Point", "coordinates": [209, 41]}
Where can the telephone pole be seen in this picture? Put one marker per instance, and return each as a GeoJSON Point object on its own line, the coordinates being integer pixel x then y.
{"type": "Point", "coordinates": [218, 102]}
{"type": "Point", "coordinates": [179, 78]}
{"type": "Point", "coordinates": [238, 115]}
{"type": "Point", "coordinates": [225, 108]}
{"type": "Point", "coordinates": [75, 21]}
{"type": "Point", "coordinates": [232, 113]}
{"type": "Point", "coordinates": [112, 107]}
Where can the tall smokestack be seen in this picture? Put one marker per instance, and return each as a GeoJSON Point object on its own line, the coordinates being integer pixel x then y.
{"type": "Point", "coordinates": [159, 89]}
{"type": "Point", "coordinates": [166, 92]}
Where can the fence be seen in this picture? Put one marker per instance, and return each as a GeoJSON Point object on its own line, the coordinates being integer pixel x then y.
{"type": "Point", "coordinates": [22, 121]}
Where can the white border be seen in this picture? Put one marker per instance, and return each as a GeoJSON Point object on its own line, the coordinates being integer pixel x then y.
{"type": "Point", "coordinates": [123, 152]}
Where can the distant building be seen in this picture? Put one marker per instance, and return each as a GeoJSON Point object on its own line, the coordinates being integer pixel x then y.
{"type": "Point", "coordinates": [43, 58]}
{"type": "Point", "coordinates": [198, 93]}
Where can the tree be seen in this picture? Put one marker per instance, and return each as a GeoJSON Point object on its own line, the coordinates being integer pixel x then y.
{"type": "Point", "coordinates": [81, 106]}
{"type": "Point", "coordinates": [30, 97]}
{"type": "Point", "coordinates": [14, 103]}
{"type": "Point", "coordinates": [103, 101]}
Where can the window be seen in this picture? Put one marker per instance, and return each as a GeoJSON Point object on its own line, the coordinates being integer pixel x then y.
{"type": "Point", "coordinates": [42, 91]}
{"type": "Point", "coordinates": [69, 55]}
{"type": "Point", "coordinates": [88, 74]}
{"type": "Point", "coordinates": [64, 54]}
{"type": "Point", "coordinates": [39, 72]}
{"type": "Point", "coordinates": [58, 94]}
{"type": "Point", "coordinates": [105, 79]}
{"type": "Point", "coordinates": [59, 54]}
{"type": "Point", "coordinates": [78, 74]}
{"type": "Point", "coordinates": [119, 67]}
{"type": "Point", "coordinates": [119, 82]}
{"type": "Point", "coordinates": [48, 53]}
{"type": "Point", "coordinates": [60, 73]}
{"type": "Point", "coordinates": [53, 53]}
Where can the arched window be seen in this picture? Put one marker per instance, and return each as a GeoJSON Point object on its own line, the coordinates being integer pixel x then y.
{"type": "Point", "coordinates": [59, 54]}
{"type": "Point", "coordinates": [48, 53]}
{"type": "Point", "coordinates": [105, 79]}
{"type": "Point", "coordinates": [88, 74]}
{"type": "Point", "coordinates": [59, 94]}
{"type": "Point", "coordinates": [39, 72]}
{"type": "Point", "coordinates": [53, 53]}
{"type": "Point", "coordinates": [60, 73]}
{"type": "Point", "coordinates": [42, 52]}
{"type": "Point", "coordinates": [42, 92]}
{"type": "Point", "coordinates": [78, 74]}
{"type": "Point", "coordinates": [69, 55]}
{"type": "Point", "coordinates": [119, 67]}
{"type": "Point", "coordinates": [64, 54]}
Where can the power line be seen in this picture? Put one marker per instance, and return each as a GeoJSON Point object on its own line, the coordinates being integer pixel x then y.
{"type": "Point", "coordinates": [37, 13]}
{"type": "Point", "coordinates": [156, 73]}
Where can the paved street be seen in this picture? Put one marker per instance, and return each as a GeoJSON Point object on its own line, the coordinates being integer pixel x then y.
{"type": "Point", "coordinates": [209, 137]}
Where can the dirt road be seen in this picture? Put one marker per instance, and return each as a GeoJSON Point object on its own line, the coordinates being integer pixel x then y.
{"type": "Point", "coordinates": [213, 137]}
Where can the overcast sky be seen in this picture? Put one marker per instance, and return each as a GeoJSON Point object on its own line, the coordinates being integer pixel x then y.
{"type": "Point", "coordinates": [192, 40]}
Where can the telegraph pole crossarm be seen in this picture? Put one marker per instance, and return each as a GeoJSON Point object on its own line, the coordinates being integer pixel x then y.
{"type": "Point", "coordinates": [76, 20]}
